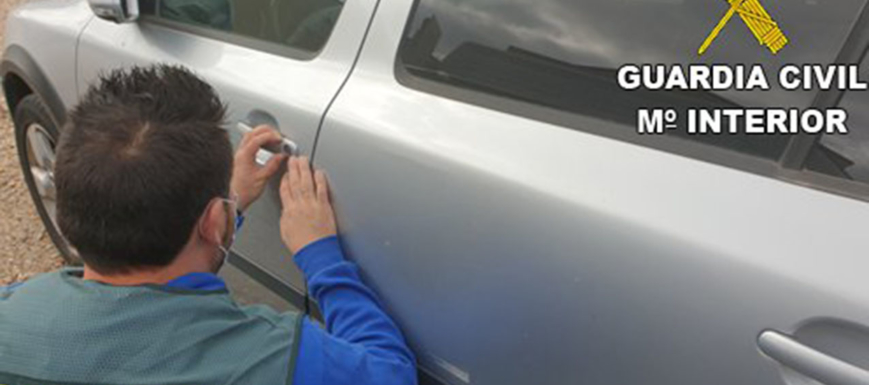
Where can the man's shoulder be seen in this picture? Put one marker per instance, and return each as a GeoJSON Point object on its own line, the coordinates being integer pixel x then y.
{"type": "Point", "coordinates": [7, 291]}
{"type": "Point", "coordinates": [264, 313]}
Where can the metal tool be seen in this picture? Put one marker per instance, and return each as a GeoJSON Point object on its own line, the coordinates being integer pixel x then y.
{"type": "Point", "coordinates": [286, 146]}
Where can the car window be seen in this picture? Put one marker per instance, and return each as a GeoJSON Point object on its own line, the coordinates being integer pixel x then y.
{"type": "Point", "coordinates": [847, 156]}
{"type": "Point", "coordinates": [565, 54]}
{"type": "Point", "coordinates": [302, 24]}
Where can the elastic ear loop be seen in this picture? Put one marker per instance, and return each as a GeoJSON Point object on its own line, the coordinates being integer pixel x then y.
{"type": "Point", "coordinates": [207, 209]}
{"type": "Point", "coordinates": [230, 222]}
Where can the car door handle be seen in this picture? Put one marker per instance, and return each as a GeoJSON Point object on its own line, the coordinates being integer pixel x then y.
{"type": "Point", "coordinates": [810, 362]}
{"type": "Point", "coordinates": [286, 146]}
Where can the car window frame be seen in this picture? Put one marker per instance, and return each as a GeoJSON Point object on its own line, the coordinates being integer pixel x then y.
{"type": "Point", "coordinates": [788, 167]}
{"type": "Point", "coordinates": [797, 148]}
{"type": "Point", "coordinates": [261, 45]}
{"type": "Point", "coordinates": [854, 51]}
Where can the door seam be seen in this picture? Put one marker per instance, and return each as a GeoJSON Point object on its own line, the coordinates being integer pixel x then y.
{"type": "Point", "coordinates": [343, 83]}
{"type": "Point", "coordinates": [77, 49]}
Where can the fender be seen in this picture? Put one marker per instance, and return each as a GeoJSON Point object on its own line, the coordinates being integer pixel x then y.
{"type": "Point", "coordinates": [17, 61]}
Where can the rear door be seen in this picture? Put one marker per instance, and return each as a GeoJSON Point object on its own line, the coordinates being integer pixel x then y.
{"type": "Point", "coordinates": [490, 181]}
{"type": "Point", "coordinates": [275, 62]}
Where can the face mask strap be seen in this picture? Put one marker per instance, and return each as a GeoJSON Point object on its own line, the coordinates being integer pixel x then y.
{"type": "Point", "coordinates": [232, 225]}
{"type": "Point", "coordinates": [232, 222]}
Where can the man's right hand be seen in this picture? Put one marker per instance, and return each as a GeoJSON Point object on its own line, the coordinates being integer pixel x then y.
{"type": "Point", "coordinates": [307, 214]}
{"type": "Point", "coordinates": [249, 179]}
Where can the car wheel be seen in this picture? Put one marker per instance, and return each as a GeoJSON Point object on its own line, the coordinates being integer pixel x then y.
{"type": "Point", "coordinates": [36, 138]}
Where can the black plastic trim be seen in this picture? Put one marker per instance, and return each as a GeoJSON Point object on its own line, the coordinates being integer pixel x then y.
{"type": "Point", "coordinates": [827, 183]}
{"type": "Point", "coordinates": [292, 295]}
{"type": "Point", "coordinates": [852, 52]}
{"type": "Point", "coordinates": [427, 378]}
{"type": "Point", "coordinates": [17, 61]}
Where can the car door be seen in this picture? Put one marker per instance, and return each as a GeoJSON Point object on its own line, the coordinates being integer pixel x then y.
{"type": "Point", "coordinates": [490, 181]}
{"type": "Point", "coordinates": [279, 63]}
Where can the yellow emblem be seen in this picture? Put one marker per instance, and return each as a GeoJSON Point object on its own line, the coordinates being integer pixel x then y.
{"type": "Point", "coordinates": [758, 21]}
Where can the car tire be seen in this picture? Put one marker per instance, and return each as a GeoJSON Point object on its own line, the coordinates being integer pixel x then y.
{"type": "Point", "coordinates": [36, 137]}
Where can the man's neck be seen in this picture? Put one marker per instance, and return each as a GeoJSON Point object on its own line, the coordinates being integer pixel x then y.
{"type": "Point", "coordinates": [134, 278]}
{"type": "Point", "coordinates": [184, 264]}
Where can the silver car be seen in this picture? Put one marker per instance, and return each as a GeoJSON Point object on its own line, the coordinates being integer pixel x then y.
{"type": "Point", "coordinates": [490, 181]}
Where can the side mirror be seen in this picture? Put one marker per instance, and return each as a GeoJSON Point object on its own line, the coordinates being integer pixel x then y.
{"type": "Point", "coordinates": [118, 11]}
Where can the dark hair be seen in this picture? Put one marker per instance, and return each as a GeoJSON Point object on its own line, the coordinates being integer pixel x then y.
{"type": "Point", "coordinates": [143, 155]}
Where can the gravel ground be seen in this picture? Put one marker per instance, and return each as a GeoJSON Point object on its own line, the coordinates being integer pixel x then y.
{"type": "Point", "coordinates": [25, 247]}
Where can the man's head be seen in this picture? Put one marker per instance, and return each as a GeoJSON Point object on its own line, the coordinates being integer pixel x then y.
{"type": "Point", "coordinates": [142, 170]}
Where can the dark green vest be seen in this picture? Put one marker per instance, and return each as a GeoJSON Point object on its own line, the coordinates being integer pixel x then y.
{"type": "Point", "coordinates": [59, 329]}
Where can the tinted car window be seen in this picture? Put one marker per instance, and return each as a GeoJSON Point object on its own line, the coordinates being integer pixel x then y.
{"type": "Point", "coordinates": [564, 54]}
{"type": "Point", "coordinates": [847, 156]}
{"type": "Point", "coordinates": [303, 24]}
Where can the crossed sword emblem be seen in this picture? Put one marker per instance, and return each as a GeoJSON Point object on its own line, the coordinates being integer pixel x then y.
{"type": "Point", "coordinates": [758, 21]}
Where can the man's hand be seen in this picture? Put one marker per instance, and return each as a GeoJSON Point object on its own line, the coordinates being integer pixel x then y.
{"type": "Point", "coordinates": [307, 215]}
{"type": "Point", "coordinates": [248, 178]}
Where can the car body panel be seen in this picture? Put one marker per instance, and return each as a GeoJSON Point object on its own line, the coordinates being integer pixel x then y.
{"type": "Point", "coordinates": [22, 76]}
{"type": "Point", "coordinates": [257, 85]}
{"type": "Point", "coordinates": [47, 31]}
{"type": "Point", "coordinates": [515, 251]}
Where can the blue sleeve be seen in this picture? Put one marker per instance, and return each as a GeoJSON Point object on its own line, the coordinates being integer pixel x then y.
{"type": "Point", "coordinates": [361, 344]}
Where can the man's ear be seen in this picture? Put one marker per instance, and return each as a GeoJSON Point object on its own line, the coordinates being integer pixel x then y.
{"type": "Point", "coordinates": [212, 223]}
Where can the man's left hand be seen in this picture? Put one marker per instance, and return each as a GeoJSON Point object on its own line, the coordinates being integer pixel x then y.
{"type": "Point", "coordinates": [248, 178]}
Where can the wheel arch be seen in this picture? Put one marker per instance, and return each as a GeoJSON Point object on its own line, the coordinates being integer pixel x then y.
{"type": "Point", "coordinates": [22, 76]}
